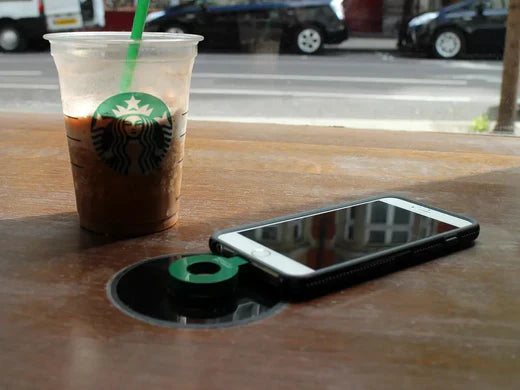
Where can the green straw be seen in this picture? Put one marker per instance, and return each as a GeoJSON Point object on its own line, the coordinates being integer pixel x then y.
{"type": "Point", "coordinates": [133, 49]}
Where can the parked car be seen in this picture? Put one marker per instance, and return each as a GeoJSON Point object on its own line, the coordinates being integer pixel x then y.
{"type": "Point", "coordinates": [304, 25]}
{"type": "Point", "coordinates": [24, 20]}
{"type": "Point", "coordinates": [469, 26]}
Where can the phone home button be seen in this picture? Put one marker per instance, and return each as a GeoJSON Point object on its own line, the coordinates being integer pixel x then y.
{"type": "Point", "coordinates": [260, 252]}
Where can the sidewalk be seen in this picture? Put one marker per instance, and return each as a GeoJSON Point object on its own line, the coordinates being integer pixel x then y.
{"type": "Point", "coordinates": [367, 44]}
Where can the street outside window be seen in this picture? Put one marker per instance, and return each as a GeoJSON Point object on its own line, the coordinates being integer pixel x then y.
{"type": "Point", "coordinates": [415, 65]}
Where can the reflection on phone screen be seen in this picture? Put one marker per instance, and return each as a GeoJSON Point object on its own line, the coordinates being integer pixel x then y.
{"type": "Point", "coordinates": [333, 237]}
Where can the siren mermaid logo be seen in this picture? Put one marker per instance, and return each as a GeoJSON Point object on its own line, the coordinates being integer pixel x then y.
{"type": "Point", "coordinates": [132, 132]}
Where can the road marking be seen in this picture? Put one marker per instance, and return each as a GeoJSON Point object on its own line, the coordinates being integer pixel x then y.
{"type": "Point", "coordinates": [471, 65]}
{"type": "Point", "coordinates": [15, 59]}
{"type": "Point", "coordinates": [28, 86]}
{"type": "Point", "coordinates": [352, 79]}
{"type": "Point", "coordinates": [342, 61]}
{"type": "Point", "coordinates": [295, 94]}
{"type": "Point", "coordinates": [287, 60]}
{"type": "Point", "coordinates": [21, 72]}
{"type": "Point", "coordinates": [334, 95]}
{"type": "Point", "coordinates": [305, 62]}
{"type": "Point", "coordinates": [488, 79]}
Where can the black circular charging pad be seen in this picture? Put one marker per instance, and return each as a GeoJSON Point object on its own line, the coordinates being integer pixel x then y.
{"type": "Point", "coordinates": [147, 291]}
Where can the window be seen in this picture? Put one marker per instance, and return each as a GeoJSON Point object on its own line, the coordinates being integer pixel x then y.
{"type": "Point", "coordinates": [223, 3]}
{"type": "Point", "coordinates": [378, 212]}
{"type": "Point", "coordinates": [402, 217]}
{"type": "Point", "coordinates": [388, 224]}
{"type": "Point", "coordinates": [270, 233]}
{"type": "Point", "coordinates": [399, 237]}
{"type": "Point", "coordinates": [377, 237]}
{"type": "Point", "coordinates": [349, 224]}
{"type": "Point", "coordinates": [297, 229]}
{"type": "Point", "coordinates": [488, 4]}
{"type": "Point", "coordinates": [495, 4]}
{"type": "Point", "coordinates": [258, 64]}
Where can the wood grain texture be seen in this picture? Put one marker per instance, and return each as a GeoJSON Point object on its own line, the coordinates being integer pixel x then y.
{"type": "Point", "coordinates": [451, 323]}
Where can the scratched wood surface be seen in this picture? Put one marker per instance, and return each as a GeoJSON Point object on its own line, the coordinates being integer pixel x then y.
{"type": "Point", "coordinates": [450, 323]}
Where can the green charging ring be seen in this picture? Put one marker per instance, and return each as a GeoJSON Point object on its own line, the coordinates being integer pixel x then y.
{"type": "Point", "coordinates": [204, 276]}
{"type": "Point", "coordinates": [184, 268]}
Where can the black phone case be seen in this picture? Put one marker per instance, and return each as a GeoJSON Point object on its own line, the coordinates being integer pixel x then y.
{"type": "Point", "coordinates": [363, 268]}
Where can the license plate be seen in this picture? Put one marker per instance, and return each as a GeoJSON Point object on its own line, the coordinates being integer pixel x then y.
{"type": "Point", "coordinates": [63, 22]}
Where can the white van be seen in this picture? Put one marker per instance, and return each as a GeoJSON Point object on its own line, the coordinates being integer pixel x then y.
{"type": "Point", "coordinates": [23, 20]}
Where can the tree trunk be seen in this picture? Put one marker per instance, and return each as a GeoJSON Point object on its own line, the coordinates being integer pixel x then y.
{"type": "Point", "coordinates": [509, 92]}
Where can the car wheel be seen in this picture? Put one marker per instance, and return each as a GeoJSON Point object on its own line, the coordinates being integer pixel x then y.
{"type": "Point", "coordinates": [308, 40]}
{"type": "Point", "coordinates": [449, 43]}
{"type": "Point", "coordinates": [175, 29]}
{"type": "Point", "coordinates": [11, 38]}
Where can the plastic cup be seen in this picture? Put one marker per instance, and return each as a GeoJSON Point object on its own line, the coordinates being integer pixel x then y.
{"type": "Point", "coordinates": [126, 147]}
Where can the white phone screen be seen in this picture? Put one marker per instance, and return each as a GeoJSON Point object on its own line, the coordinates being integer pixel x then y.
{"type": "Point", "coordinates": [333, 237]}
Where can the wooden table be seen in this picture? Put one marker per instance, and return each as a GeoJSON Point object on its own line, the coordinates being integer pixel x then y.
{"type": "Point", "coordinates": [450, 323]}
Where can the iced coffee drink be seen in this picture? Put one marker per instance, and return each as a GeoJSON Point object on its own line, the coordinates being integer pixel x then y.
{"type": "Point", "coordinates": [126, 147]}
{"type": "Point", "coordinates": [127, 169]}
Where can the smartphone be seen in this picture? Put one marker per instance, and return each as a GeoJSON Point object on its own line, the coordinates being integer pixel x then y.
{"type": "Point", "coordinates": [347, 242]}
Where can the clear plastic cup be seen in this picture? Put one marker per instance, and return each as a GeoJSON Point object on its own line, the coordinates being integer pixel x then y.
{"type": "Point", "coordinates": [126, 147]}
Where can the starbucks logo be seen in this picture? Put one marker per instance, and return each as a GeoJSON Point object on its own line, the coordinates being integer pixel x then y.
{"type": "Point", "coordinates": [132, 132]}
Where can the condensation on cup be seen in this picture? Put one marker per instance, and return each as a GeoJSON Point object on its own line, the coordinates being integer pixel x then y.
{"type": "Point", "coordinates": [126, 145]}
